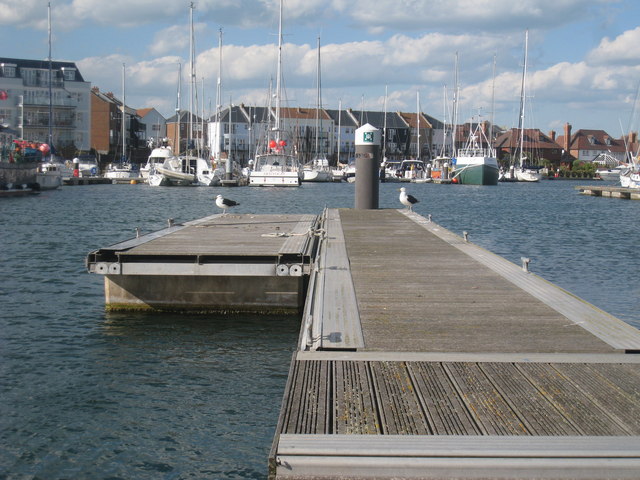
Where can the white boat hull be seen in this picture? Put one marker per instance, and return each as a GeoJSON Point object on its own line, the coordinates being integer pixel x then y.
{"type": "Point", "coordinates": [49, 180]}
{"type": "Point", "coordinates": [311, 175]}
{"type": "Point", "coordinates": [630, 180]}
{"type": "Point", "coordinates": [49, 175]}
{"type": "Point", "coordinates": [120, 174]}
{"type": "Point", "coordinates": [525, 175]}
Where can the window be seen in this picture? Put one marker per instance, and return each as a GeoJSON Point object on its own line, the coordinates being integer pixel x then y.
{"type": "Point", "coordinates": [8, 70]}
{"type": "Point", "coordinates": [69, 74]}
{"type": "Point", "coordinates": [29, 76]}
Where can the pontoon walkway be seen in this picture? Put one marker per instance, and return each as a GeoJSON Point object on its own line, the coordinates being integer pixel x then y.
{"type": "Point", "coordinates": [424, 356]}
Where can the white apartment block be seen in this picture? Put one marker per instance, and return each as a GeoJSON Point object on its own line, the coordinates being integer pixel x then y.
{"type": "Point", "coordinates": [29, 85]}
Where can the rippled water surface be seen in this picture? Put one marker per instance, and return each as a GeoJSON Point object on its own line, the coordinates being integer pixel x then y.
{"type": "Point", "coordinates": [85, 394]}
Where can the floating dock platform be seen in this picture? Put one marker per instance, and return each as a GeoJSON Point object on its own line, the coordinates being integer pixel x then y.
{"type": "Point", "coordinates": [424, 356]}
{"type": "Point", "coordinates": [222, 263]}
{"type": "Point", "coordinates": [610, 191]}
{"type": "Point", "coordinates": [420, 354]}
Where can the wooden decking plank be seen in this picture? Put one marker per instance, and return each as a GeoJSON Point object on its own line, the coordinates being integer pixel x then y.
{"type": "Point", "coordinates": [416, 292]}
{"type": "Point", "coordinates": [355, 407]}
{"type": "Point", "coordinates": [491, 412]}
{"type": "Point", "coordinates": [536, 412]}
{"type": "Point", "coordinates": [621, 405]}
{"type": "Point", "coordinates": [306, 409]}
{"type": "Point", "coordinates": [400, 409]}
{"type": "Point", "coordinates": [567, 398]}
{"type": "Point", "coordinates": [445, 411]}
{"type": "Point", "coordinates": [219, 235]}
{"type": "Point", "coordinates": [625, 377]}
{"type": "Point", "coordinates": [291, 405]}
{"type": "Point", "coordinates": [615, 332]}
{"type": "Point", "coordinates": [315, 400]}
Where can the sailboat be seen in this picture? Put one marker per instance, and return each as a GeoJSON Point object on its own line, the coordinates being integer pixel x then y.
{"type": "Point", "coordinates": [337, 173]}
{"type": "Point", "coordinates": [188, 169]}
{"type": "Point", "coordinates": [121, 170]}
{"type": "Point", "coordinates": [524, 173]}
{"type": "Point", "coordinates": [630, 176]}
{"type": "Point", "coordinates": [318, 169]}
{"type": "Point", "coordinates": [49, 172]}
{"type": "Point", "coordinates": [443, 158]}
{"type": "Point", "coordinates": [275, 167]}
{"type": "Point", "coordinates": [414, 169]}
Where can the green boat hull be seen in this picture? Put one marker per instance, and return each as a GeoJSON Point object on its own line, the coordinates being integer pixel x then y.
{"type": "Point", "coordinates": [477, 175]}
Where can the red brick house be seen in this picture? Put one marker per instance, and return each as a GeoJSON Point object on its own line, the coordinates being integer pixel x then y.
{"type": "Point", "coordinates": [537, 147]}
{"type": "Point", "coordinates": [587, 145]}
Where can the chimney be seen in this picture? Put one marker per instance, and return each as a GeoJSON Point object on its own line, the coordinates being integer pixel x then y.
{"type": "Point", "coordinates": [633, 138]}
{"type": "Point", "coordinates": [552, 135]}
{"type": "Point", "coordinates": [567, 137]}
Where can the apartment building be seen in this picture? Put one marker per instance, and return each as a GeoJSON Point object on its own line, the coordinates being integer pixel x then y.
{"type": "Point", "coordinates": [46, 102]}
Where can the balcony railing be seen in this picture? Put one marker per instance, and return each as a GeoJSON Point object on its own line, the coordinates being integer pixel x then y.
{"type": "Point", "coordinates": [43, 82]}
{"type": "Point", "coordinates": [66, 103]}
{"type": "Point", "coordinates": [44, 123]}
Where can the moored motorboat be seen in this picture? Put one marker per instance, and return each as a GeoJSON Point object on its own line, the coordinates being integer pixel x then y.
{"type": "Point", "coordinates": [49, 175]}
{"type": "Point", "coordinates": [120, 171]}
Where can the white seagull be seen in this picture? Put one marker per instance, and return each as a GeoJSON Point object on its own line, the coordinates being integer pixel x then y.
{"type": "Point", "coordinates": [225, 203]}
{"type": "Point", "coordinates": [406, 199]}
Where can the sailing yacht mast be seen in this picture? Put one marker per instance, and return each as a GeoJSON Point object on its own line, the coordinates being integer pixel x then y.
{"type": "Point", "coordinates": [318, 105]}
{"type": "Point", "coordinates": [50, 139]}
{"type": "Point", "coordinates": [418, 126]}
{"type": "Point", "coordinates": [523, 99]}
{"type": "Point", "coordinates": [192, 78]}
{"type": "Point", "coordinates": [454, 114]}
{"type": "Point", "coordinates": [123, 159]}
{"type": "Point", "coordinates": [339, 130]}
{"type": "Point", "coordinates": [176, 146]}
{"type": "Point", "coordinates": [443, 152]}
{"type": "Point", "coordinates": [384, 126]}
{"type": "Point", "coordinates": [219, 98]}
{"type": "Point", "coordinates": [279, 75]}
{"type": "Point", "coordinates": [493, 102]}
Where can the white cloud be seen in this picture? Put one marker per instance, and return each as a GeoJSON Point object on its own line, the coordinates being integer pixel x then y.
{"type": "Point", "coordinates": [405, 15]}
{"type": "Point", "coordinates": [464, 15]}
{"type": "Point", "coordinates": [176, 38]}
{"type": "Point", "coordinates": [621, 50]}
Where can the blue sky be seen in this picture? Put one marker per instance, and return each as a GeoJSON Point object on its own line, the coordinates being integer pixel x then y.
{"type": "Point", "coordinates": [584, 55]}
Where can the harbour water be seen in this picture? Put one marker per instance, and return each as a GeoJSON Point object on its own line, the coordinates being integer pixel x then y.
{"type": "Point", "coordinates": [86, 394]}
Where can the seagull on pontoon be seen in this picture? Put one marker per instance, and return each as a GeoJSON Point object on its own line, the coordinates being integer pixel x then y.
{"type": "Point", "coordinates": [406, 199]}
{"type": "Point", "coordinates": [225, 203]}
